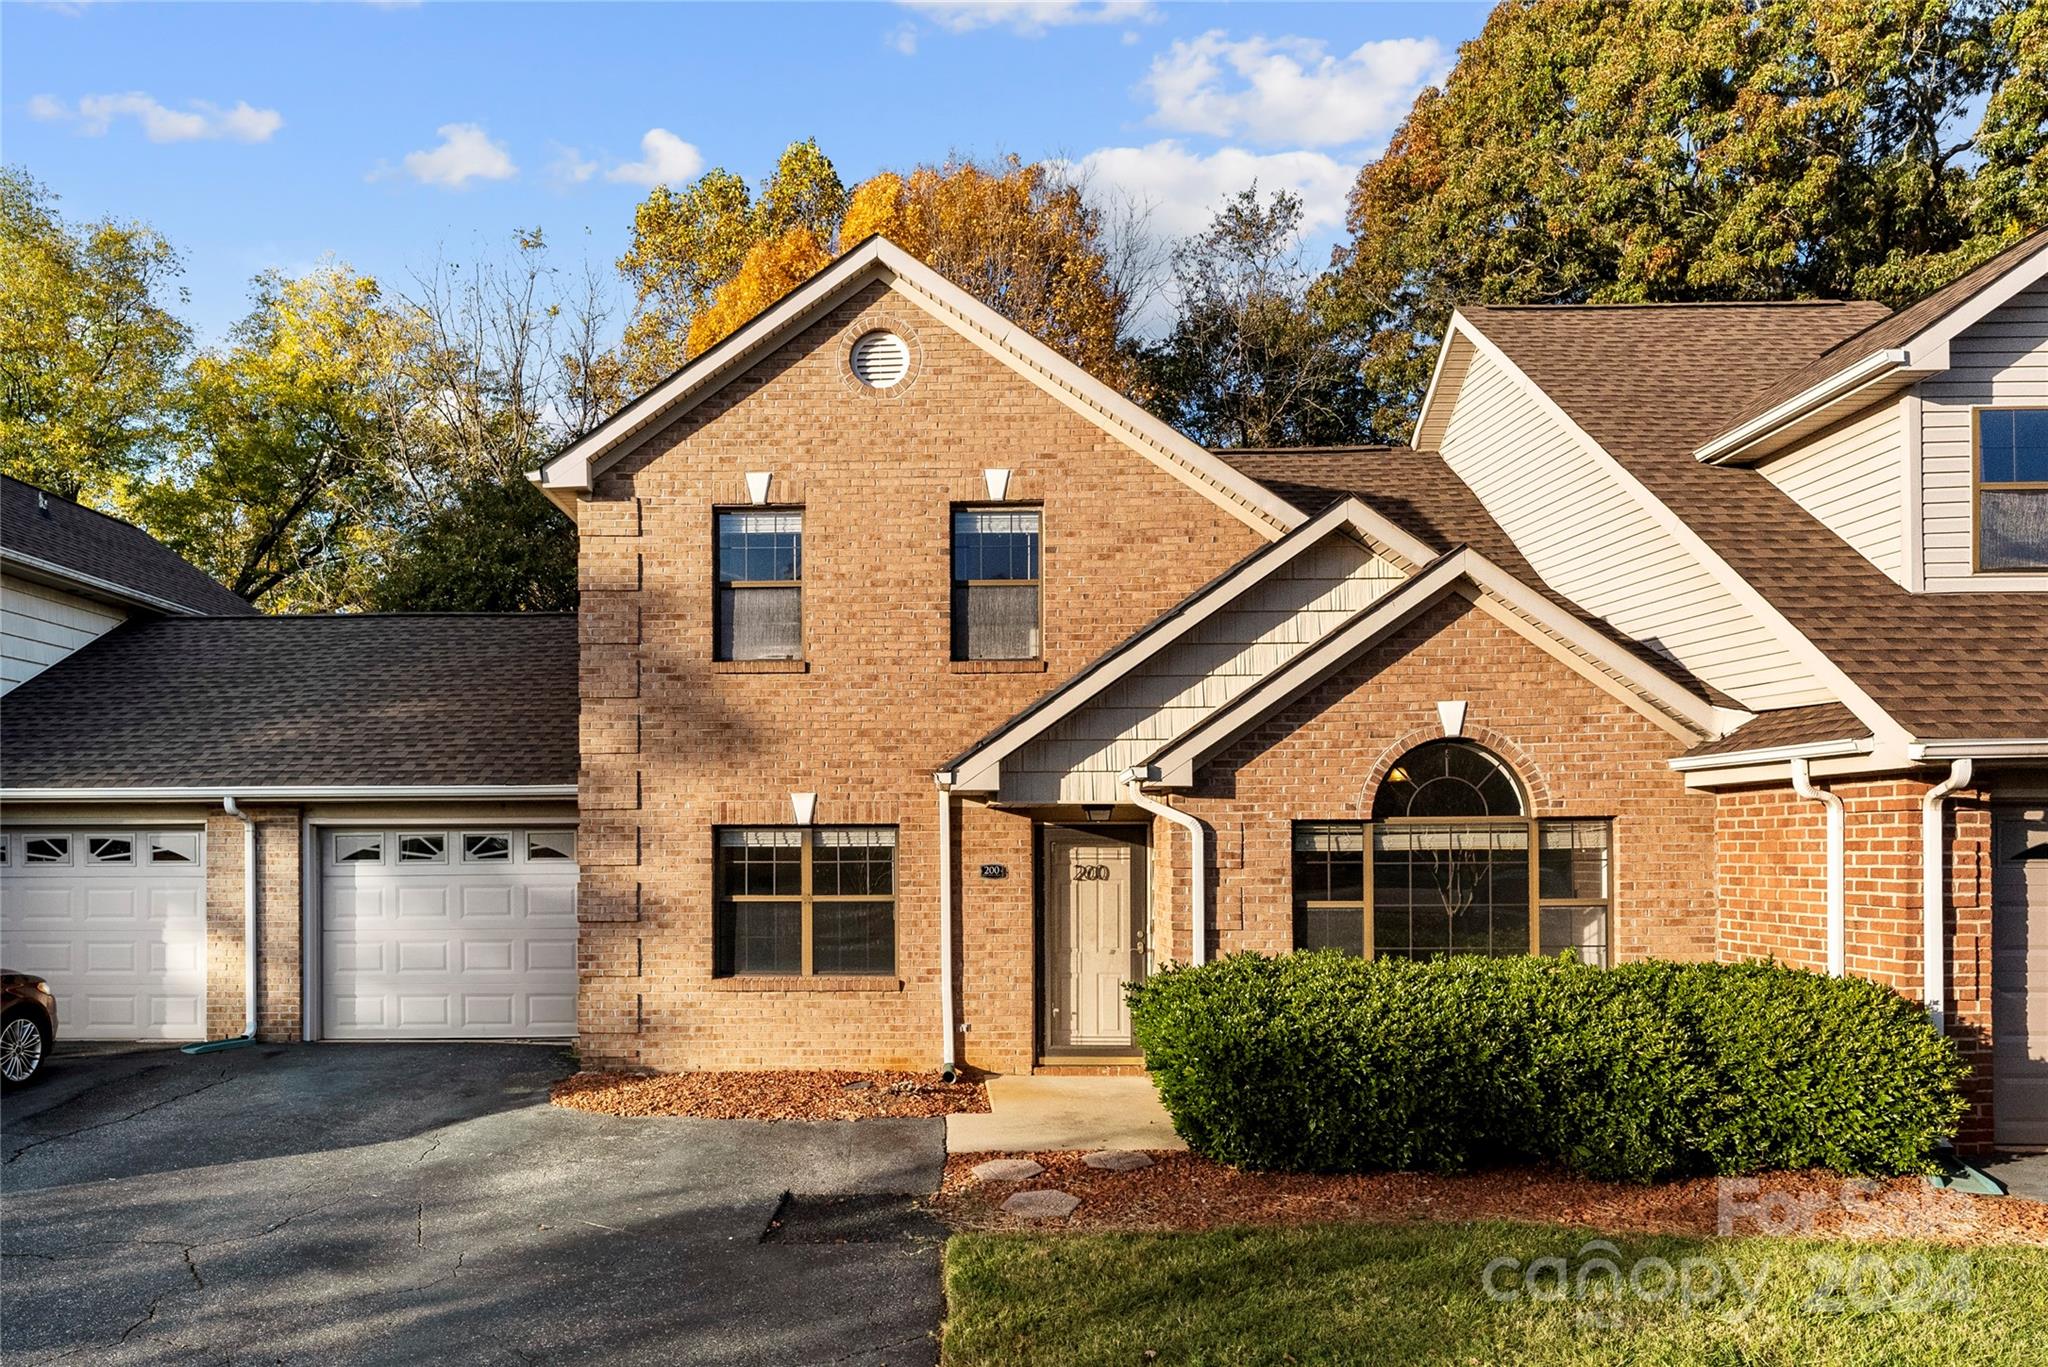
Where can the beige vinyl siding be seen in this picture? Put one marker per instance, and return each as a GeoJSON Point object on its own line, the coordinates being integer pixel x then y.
{"type": "Point", "coordinates": [1853, 478]}
{"type": "Point", "coordinates": [1078, 759]}
{"type": "Point", "coordinates": [40, 625]}
{"type": "Point", "coordinates": [2003, 359]}
{"type": "Point", "coordinates": [1594, 541]}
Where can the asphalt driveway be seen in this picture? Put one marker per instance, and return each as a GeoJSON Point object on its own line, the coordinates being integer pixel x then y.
{"type": "Point", "coordinates": [400, 1203]}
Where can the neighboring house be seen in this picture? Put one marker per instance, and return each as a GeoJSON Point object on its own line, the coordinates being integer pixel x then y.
{"type": "Point", "coordinates": [69, 575]}
{"type": "Point", "coordinates": [929, 691]}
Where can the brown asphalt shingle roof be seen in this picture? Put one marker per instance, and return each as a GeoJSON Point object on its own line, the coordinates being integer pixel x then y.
{"type": "Point", "coordinates": [222, 702]}
{"type": "Point", "coordinates": [1788, 726]}
{"type": "Point", "coordinates": [1649, 383]}
{"type": "Point", "coordinates": [76, 538]}
{"type": "Point", "coordinates": [1889, 331]}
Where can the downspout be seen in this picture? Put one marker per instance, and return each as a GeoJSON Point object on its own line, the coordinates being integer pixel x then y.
{"type": "Point", "coordinates": [1802, 784]}
{"type": "Point", "coordinates": [248, 1035]}
{"type": "Point", "coordinates": [948, 1066]}
{"type": "Point", "coordinates": [1933, 863]}
{"type": "Point", "coordinates": [1198, 858]}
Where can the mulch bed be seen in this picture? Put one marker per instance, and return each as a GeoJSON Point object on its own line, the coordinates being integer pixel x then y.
{"type": "Point", "coordinates": [1183, 1192]}
{"type": "Point", "coordinates": [797, 1094]}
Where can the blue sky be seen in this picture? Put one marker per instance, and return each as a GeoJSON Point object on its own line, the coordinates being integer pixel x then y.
{"type": "Point", "coordinates": [260, 136]}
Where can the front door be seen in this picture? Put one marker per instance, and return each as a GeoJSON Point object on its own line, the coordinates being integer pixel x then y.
{"type": "Point", "coordinates": [1094, 939]}
{"type": "Point", "coordinates": [2019, 975]}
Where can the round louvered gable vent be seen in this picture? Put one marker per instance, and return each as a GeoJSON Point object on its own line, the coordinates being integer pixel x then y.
{"type": "Point", "coordinates": [881, 360]}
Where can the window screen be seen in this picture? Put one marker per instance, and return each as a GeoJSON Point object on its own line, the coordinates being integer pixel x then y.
{"type": "Point", "coordinates": [760, 586]}
{"type": "Point", "coordinates": [995, 584]}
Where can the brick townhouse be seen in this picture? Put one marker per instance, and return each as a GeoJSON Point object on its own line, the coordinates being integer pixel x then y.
{"type": "Point", "coordinates": [924, 691]}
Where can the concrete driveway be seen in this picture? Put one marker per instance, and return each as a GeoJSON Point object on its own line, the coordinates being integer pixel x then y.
{"type": "Point", "coordinates": [400, 1203]}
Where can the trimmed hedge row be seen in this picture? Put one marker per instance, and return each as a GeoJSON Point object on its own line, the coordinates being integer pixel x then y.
{"type": "Point", "coordinates": [1326, 1063]}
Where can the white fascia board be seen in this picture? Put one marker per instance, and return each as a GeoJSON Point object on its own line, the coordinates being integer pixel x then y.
{"type": "Point", "coordinates": [1847, 691]}
{"type": "Point", "coordinates": [91, 585]}
{"type": "Point", "coordinates": [283, 793]}
{"type": "Point", "coordinates": [1436, 375]}
{"type": "Point", "coordinates": [1841, 388]}
{"type": "Point", "coordinates": [1929, 347]}
{"type": "Point", "coordinates": [2000, 747]}
{"type": "Point", "coordinates": [980, 769]}
{"type": "Point", "coordinates": [1775, 754]}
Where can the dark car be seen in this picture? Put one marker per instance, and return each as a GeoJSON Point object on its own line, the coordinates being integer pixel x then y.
{"type": "Point", "coordinates": [28, 1027]}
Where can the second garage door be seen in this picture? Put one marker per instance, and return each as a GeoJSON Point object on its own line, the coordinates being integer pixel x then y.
{"type": "Point", "coordinates": [448, 933]}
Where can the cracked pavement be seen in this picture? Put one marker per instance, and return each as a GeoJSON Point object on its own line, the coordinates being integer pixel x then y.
{"type": "Point", "coordinates": [392, 1203]}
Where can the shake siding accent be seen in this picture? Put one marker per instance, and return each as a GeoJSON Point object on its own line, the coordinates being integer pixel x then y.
{"type": "Point", "coordinates": [2001, 360]}
{"type": "Point", "coordinates": [1079, 759]}
{"type": "Point", "coordinates": [40, 625]}
{"type": "Point", "coordinates": [1853, 478]}
{"type": "Point", "coordinates": [1592, 541]}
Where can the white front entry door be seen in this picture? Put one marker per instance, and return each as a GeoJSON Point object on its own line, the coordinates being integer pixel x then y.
{"type": "Point", "coordinates": [1095, 939]}
{"type": "Point", "coordinates": [2019, 975]}
{"type": "Point", "coordinates": [115, 919]}
{"type": "Point", "coordinates": [447, 933]}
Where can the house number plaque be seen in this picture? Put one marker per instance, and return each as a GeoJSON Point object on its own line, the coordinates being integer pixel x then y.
{"type": "Point", "coordinates": [995, 871]}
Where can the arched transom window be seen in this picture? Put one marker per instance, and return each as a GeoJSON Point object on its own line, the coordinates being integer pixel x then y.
{"type": "Point", "coordinates": [1452, 862]}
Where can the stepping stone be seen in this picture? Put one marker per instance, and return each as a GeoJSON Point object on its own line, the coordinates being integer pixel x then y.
{"type": "Point", "coordinates": [1118, 1160]}
{"type": "Point", "coordinates": [1006, 1170]}
{"type": "Point", "coordinates": [1042, 1205]}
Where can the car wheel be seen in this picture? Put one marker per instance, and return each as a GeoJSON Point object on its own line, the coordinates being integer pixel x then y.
{"type": "Point", "coordinates": [24, 1045]}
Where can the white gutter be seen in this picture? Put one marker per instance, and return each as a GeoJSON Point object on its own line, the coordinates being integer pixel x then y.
{"type": "Point", "coordinates": [281, 794]}
{"type": "Point", "coordinates": [1198, 858]}
{"type": "Point", "coordinates": [947, 1062]}
{"type": "Point", "coordinates": [2007, 747]}
{"type": "Point", "coordinates": [249, 943]}
{"type": "Point", "coordinates": [1802, 784]}
{"type": "Point", "coordinates": [1933, 864]}
{"type": "Point", "coordinates": [1840, 385]}
{"type": "Point", "coordinates": [1774, 754]}
{"type": "Point", "coordinates": [97, 587]}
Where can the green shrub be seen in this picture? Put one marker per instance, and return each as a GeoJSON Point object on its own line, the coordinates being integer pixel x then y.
{"type": "Point", "coordinates": [1320, 1062]}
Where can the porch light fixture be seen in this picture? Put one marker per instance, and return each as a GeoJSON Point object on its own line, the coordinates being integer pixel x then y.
{"type": "Point", "coordinates": [1094, 812]}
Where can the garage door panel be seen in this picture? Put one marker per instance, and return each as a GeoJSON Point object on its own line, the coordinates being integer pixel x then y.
{"type": "Point", "coordinates": [461, 956]}
{"type": "Point", "coordinates": [121, 941]}
{"type": "Point", "coordinates": [2019, 975]}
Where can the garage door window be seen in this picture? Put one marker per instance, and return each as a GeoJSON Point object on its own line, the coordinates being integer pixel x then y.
{"type": "Point", "coordinates": [109, 849]}
{"type": "Point", "coordinates": [799, 902]}
{"type": "Point", "coordinates": [486, 849]}
{"type": "Point", "coordinates": [422, 849]}
{"type": "Point", "coordinates": [46, 849]}
{"type": "Point", "coordinates": [177, 848]}
{"type": "Point", "coordinates": [359, 848]}
{"type": "Point", "coordinates": [550, 845]}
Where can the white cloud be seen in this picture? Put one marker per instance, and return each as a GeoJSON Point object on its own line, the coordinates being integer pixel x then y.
{"type": "Point", "coordinates": [1289, 91]}
{"type": "Point", "coordinates": [465, 153]}
{"type": "Point", "coordinates": [570, 167]}
{"type": "Point", "coordinates": [1030, 18]}
{"type": "Point", "coordinates": [665, 159]}
{"type": "Point", "coordinates": [1183, 189]}
{"type": "Point", "coordinates": [94, 115]}
{"type": "Point", "coordinates": [903, 39]}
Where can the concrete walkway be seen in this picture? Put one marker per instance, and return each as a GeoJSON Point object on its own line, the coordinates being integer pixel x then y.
{"type": "Point", "coordinates": [1028, 1114]}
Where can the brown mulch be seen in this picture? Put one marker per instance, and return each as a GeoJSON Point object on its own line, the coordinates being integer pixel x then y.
{"type": "Point", "coordinates": [1183, 1192]}
{"type": "Point", "coordinates": [795, 1094]}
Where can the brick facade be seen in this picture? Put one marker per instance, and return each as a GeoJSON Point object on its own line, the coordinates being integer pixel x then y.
{"type": "Point", "coordinates": [278, 913]}
{"type": "Point", "coordinates": [1772, 887]}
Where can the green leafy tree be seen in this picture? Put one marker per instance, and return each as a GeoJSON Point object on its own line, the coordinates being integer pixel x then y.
{"type": "Point", "coordinates": [89, 349]}
{"type": "Point", "coordinates": [1252, 358]}
{"type": "Point", "coordinates": [1696, 149]}
{"type": "Point", "coordinates": [497, 546]}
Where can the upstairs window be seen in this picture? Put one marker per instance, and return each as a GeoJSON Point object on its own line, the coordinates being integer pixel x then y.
{"type": "Point", "coordinates": [760, 585]}
{"type": "Point", "coordinates": [2012, 489]}
{"type": "Point", "coordinates": [995, 584]}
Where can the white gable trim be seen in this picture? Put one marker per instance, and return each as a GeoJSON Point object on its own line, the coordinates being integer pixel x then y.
{"type": "Point", "coordinates": [1847, 691]}
{"type": "Point", "coordinates": [576, 469]}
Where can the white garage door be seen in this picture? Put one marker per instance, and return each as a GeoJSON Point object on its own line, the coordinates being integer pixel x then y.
{"type": "Point", "coordinates": [2019, 975]}
{"type": "Point", "coordinates": [116, 920]}
{"type": "Point", "coordinates": [448, 933]}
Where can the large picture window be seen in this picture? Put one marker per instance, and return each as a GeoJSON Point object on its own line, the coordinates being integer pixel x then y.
{"type": "Point", "coordinates": [995, 584]}
{"type": "Point", "coordinates": [805, 900]}
{"type": "Point", "coordinates": [760, 612]}
{"type": "Point", "coordinates": [2012, 488]}
{"type": "Point", "coordinates": [1451, 863]}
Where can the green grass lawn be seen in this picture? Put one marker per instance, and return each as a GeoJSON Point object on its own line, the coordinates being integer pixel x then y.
{"type": "Point", "coordinates": [1414, 1294]}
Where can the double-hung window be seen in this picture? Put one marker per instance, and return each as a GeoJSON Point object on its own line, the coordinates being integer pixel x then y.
{"type": "Point", "coordinates": [760, 613]}
{"type": "Point", "coordinates": [805, 900]}
{"type": "Point", "coordinates": [995, 584]}
{"type": "Point", "coordinates": [2012, 488]}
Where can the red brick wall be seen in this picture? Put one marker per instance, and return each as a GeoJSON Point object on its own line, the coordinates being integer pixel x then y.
{"type": "Point", "coordinates": [1772, 881]}
{"type": "Point", "coordinates": [1578, 750]}
{"type": "Point", "coordinates": [675, 744]}
{"type": "Point", "coordinates": [278, 912]}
